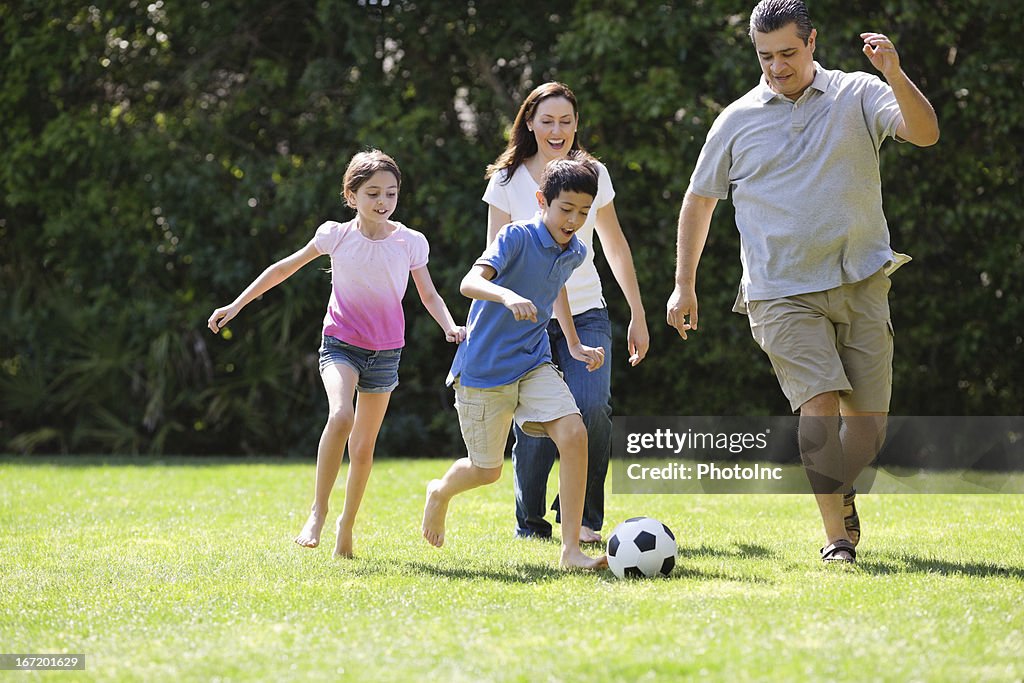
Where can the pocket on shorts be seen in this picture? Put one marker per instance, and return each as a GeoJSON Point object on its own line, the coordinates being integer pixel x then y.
{"type": "Point", "coordinates": [561, 375]}
{"type": "Point", "coordinates": [472, 411]}
{"type": "Point", "coordinates": [472, 421]}
{"type": "Point", "coordinates": [757, 325]}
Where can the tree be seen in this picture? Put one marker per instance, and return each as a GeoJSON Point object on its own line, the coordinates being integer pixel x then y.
{"type": "Point", "coordinates": [157, 158]}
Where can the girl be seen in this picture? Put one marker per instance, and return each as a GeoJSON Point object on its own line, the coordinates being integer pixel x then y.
{"type": "Point", "coordinates": [545, 129]}
{"type": "Point", "coordinates": [364, 329]}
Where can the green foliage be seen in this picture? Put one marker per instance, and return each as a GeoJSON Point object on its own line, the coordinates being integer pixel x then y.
{"type": "Point", "coordinates": [157, 158]}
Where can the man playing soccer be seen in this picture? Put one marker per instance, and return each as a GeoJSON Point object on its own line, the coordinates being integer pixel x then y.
{"type": "Point", "coordinates": [799, 153]}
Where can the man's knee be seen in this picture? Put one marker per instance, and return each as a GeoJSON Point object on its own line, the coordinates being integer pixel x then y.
{"type": "Point", "coordinates": [863, 430]}
{"type": "Point", "coordinates": [825, 404]}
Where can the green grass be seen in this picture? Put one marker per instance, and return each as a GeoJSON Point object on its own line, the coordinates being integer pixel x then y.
{"type": "Point", "coordinates": [183, 569]}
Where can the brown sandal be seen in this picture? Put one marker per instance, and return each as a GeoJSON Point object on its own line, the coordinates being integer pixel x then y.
{"type": "Point", "coordinates": [850, 518]}
{"type": "Point", "coordinates": [833, 553]}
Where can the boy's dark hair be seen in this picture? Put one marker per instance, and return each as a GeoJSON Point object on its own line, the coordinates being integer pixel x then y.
{"type": "Point", "coordinates": [576, 173]}
{"type": "Point", "coordinates": [771, 15]}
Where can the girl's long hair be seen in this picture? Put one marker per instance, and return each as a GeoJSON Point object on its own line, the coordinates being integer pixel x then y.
{"type": "Point", "coordinates": [521, 142]}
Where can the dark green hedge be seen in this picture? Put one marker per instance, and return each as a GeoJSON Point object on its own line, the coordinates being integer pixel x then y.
{"type": "Point", "coordinates": [156, 158]}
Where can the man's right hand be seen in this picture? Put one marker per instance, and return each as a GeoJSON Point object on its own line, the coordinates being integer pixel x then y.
{"type": "Point", "coordinates": [682, 310]}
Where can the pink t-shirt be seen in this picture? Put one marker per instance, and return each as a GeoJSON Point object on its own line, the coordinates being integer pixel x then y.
{"type": "Point", "coordinates": [368, 281]}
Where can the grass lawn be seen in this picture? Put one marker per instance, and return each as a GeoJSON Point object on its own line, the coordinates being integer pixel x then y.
{"type": "Point", "coordinates": [184, 569]}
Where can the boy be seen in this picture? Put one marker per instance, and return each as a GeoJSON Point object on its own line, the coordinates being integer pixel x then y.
{"type": "Point", "coordinates": [503, 370]}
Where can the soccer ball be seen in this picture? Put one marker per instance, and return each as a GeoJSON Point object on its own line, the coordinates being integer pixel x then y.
{"type": "Point", "coordinates": [640, 547]}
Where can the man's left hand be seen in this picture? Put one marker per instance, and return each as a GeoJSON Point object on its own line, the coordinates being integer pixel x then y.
{"type": "Point", "coordinates": [882, 53]}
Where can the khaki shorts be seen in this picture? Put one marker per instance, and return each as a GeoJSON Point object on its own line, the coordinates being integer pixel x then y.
{"type": "Point", "coordinates": [836, 340]}
{"type": "Point", "coordinates": [485, 415]}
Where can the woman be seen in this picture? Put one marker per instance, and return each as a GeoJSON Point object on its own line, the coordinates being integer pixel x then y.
{"type": "Point", "coordinates": [545, 129]}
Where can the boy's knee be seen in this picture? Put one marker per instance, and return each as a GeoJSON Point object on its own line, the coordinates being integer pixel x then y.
{"type": "Point", "coordinates": [568, 431]}
{"type": "Point", "coordinates": [487, 475]}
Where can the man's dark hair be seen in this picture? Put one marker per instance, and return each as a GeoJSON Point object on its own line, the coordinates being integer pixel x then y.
{"type": "Point", "coordinates": [577, 173]}
{"type": "Point", "coordinates": [771, 15]}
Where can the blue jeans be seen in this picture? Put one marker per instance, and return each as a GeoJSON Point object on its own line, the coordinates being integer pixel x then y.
{"type": "Point", "coordinates": [532, 458]}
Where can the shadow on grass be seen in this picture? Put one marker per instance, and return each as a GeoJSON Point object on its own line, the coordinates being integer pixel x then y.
{"type": "Point", "coordinates": [683, 572]}
{"type": "Point", "coordinates": [741, 551]}
{"type": "Point", "coordinates": [737, 551]}
{"type": "Point", "coordinates": [537, 573]}
{"type": "Point", "coordinates": [906, 563]}
{"type": "Point", "coordinates": [520, 573]}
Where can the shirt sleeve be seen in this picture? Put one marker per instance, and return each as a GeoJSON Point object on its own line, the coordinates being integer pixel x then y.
{"type": "Point", "coordinates": [327, 236]}
{"type": "Point", "coordinates": [881, 111]}
{"type": "Point", "coordinates": [581, 256]}
{"type": "Point", "coordinates": [419, 250]}
{"type": "Point", "coordinates": [503, 248]}
{"type": "Point", "coordinates": [605, 190]}
{"type": "Point", "coordinates": [711, 174]}
{"type": "Point", "coordinates": [496, 194]}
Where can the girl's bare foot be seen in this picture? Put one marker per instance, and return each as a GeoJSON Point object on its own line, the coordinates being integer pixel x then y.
{"type": "Point", "coordinates": [434, 512]}
{"type": "Point", "coordinates": [343, 546]}
{"type": "Point", "coordinates": [309, 537]}
{"type": "Point", "coordinates": [574, 558]}
{"type": "Point", "coordinates": [588, 535]}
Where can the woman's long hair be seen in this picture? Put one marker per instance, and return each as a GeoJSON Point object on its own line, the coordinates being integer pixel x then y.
{"type": "Point", "coordinates": [521, 142]}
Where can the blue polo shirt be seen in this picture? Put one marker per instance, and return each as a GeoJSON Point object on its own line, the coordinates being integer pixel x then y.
{"type": "Point", "coordinates": [499, 349]}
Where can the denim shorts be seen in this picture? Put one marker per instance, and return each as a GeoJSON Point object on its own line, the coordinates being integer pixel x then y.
{"type": "Point", "coordinates": [377, 370]}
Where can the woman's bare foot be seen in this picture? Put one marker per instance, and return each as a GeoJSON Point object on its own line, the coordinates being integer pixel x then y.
{"type": "Point", "coordinates": [343, 546]}
{"type": "Point", "coordinates": [434, 512]}
{"type": "Point", "coordinates": [309, 537]}
{"type": "Point", "coordinates": [588, 535]}
{"type": "Point", "coordinates": [574, 558]}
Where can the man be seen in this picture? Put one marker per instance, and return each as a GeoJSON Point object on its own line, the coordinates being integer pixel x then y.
{"type": "Point", "coordinates": [799, 153]}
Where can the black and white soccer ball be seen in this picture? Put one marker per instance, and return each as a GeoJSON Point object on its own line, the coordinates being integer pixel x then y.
{"type": "Point", "coordinates": [641, 547]}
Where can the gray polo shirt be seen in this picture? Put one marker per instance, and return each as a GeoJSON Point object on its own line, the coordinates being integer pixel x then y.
{"type": "Point", "coordinates": [805, 182]}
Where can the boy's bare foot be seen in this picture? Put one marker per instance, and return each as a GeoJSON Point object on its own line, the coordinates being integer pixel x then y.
{"type": "Point", "coordinates": [309, 537]}
{"type": "Point", "coordinates": [434, 512]}
{"type": "Point", "coordinates": [343, 546]}
{"type": "Point", "coordinates": [588, 535]}
{"type": "Point", "coordinates": [574, 558]}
